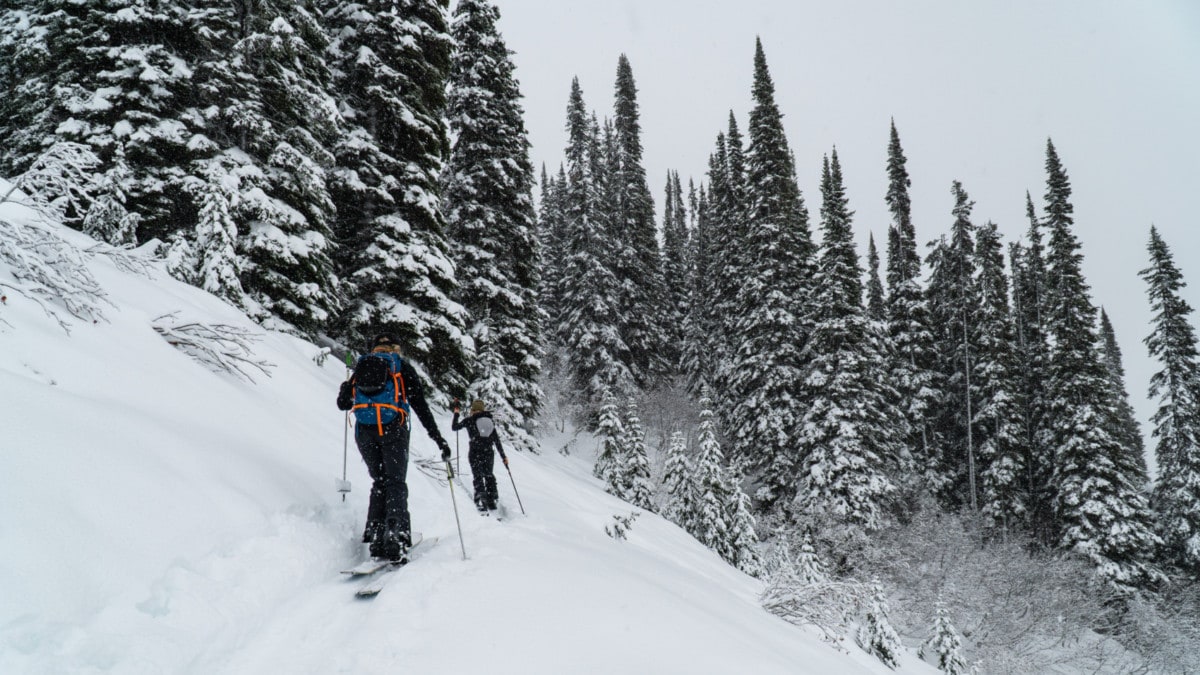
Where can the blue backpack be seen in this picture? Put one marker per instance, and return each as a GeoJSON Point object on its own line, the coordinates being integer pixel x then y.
{"type": "Point", "coordinates": [379, 395]}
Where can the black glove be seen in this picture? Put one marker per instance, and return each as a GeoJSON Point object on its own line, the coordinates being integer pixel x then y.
{"type": "Point", "coordinates": [445, 447]}
{"type": "Point", "coordinates": [344, 399]}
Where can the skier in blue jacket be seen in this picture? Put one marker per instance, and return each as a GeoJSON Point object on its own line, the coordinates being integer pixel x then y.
{"type": "Point", "coordinates": [382, 434]}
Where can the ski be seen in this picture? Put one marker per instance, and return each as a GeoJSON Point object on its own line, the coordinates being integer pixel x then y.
{"type": "Point", "coordinates": [374, 565]}
{"type": "Point", "coordinates": [372, 588]}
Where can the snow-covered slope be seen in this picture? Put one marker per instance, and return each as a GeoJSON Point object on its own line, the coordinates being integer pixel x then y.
{"type": "Point", "coordinates": [156, 517]}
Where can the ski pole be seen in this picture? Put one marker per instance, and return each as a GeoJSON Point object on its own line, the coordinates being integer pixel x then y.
{"type": "Point", "coordinates": [514, 484]}
{"type": "Point", "coordinates": [450, 474]}
{"type": "Point", "coordinates": [344, 486]}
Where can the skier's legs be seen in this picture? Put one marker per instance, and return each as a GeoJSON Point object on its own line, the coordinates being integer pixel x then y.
{"type": "Point", "coordinates": [395, 478]}
{"type": "Point", "coordinates": [483, 459]}
{"type": "Point", "coordinates": [481, 472]}
{"type": "Point", "coordinates": [371, 450]}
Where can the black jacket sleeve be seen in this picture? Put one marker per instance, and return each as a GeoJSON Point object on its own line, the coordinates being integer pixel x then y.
{"type": "Point", "coordinates": [499, 448]}
{"type": "Point", "coordinates": [345, 399]}
{"type": "Point", "coordinates": [416, 400]}
{"type": "Point", "coordinates": [455, 425]}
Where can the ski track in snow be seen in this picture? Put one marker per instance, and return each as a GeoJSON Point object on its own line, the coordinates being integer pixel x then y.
{"type": "Point", "coordinates": [156, 517]}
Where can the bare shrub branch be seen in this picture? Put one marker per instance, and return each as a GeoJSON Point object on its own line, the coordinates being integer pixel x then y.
{"type": "Point", "coordinates": [220, 347]}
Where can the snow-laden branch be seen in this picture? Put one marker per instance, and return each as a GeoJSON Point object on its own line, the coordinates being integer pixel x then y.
{"type": "Point", "coordinates": [50, 271]}
{"type": "Point", "coordinates": [220, 347]}
{"type": "Point", "coordinates": [124, 259]}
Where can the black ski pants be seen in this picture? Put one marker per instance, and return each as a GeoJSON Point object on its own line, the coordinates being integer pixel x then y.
{"type": "Point", "coordinates": [483, 458]}
{"type": "Point", "coordinates": [386, 458]}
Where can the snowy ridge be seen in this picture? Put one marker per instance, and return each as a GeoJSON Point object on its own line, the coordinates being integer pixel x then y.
{"type": "Point", "coordinates": [157, 517]}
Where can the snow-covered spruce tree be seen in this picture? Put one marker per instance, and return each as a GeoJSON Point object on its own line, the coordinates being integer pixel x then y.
{"type": "Point", "coordinates": [944, 647]}
{"type": "Point", "coordinates": [1177, 421]}
{"type": "Point", "coordinates": [108, 219]}
{"type": "Point", "coordinates": [1033, 357]}
{"type": "Point", "coordinates": [997, 415]}
{"type": "Point", "coordinates": [679, 498]}
{"type": "Point", "coordinates": [771, 321]}
{"type": "Point", "coordinates": [635, 470]}
{"type": "Point", "coordinates": [636, 260]}
{"type": "Point", "coordinates": [1124, 425]}
{"type": "Point", "coordinates": [26, 78]}
{"type": "Point", "coordinates": [848, 423]}
{"type": "Point", "coordinates": [492, 385]}
{"type": "Point", "coordinates": [709, 525]}
{"type": "Point", "coordinates": [589, 323]}
{"type": "Point", "coordinates": [706, 353]}
{"type": "Point", "coordinates": [610, 459]}
{"type": "Point", "coordinates": [743, 540]}
{"type": "Point", "coordinates": [110, 75]}
{"type": "Point", "coordinates": [727, 254]}
{"type": "Point", "coordinates": [876, 635]}
{"type": "Point", "coordinates": [267, 84]}
{"type": "Point", "coordinates": [391, 59]}
{"type": "Point", "coordinates": [952, 299]}
{"type": "Point", "coordinates": [698, 358]}
{"type": "Point", "coordinates": [675, 264]}
{"type": "Point", "coordinates": [217, 264]}
{"type": "Point", "coordinates": [552, 244]}
{"type": "Point", "coordinates": [875, 307]}
{"type": "Point", "coordinates": [808, 565]}
{"type": "Point", "coordinates": [1100, 510]}
{"type": "Point", "coordinates": [913, 363]}
{"type": "Point", "coordinates": [488, 201]}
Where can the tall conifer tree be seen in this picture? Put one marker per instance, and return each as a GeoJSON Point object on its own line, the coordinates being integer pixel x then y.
{"type": "Point", "coordinates": [771, 311]}
{"type": "Point", "coordinates": [589, 327]}
{"type": "Point", "coordinates": [952, 298]}
{"type": "Point", "coordinates": [554, 247]}
{"type": "Point", "coordinates": [1124, 424]}
{"type": "Point", "coordinates": [908, 321]}
{"type": "Point", "coordinates": [675, 266]}
{"type": "Point", "coordinates": [488, 196]}
{"type": "Point", "coordinates": [1177, 421]}
{"type": "Point", "coordinates": [636, 263]}
{"type": "Point", "coordinates": [875, 306]}
{"type": "Point", "coordinates": [391, 59]}
{"type": "Point", "coordinates": [1100, 511]}
{"type": "Point", "coordinates": [997, 414]}
{"type": "Point", "coordinates": [1033, 354]}
{"type": "Point", "coordinates": [849, 421]}
{"type": "Point", "coordinates": [271, 113]}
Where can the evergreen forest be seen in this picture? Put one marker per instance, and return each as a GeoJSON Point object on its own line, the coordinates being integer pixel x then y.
{"type": "Point", "coordinates": [937, 430]}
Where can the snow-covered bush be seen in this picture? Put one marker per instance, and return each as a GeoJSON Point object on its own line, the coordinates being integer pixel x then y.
{"type": "Point", "coordinates": [1165, 630]}
{"type": "Point", "coordinates": [1017, 609]}
{"type": "Point", "coordinates": [621, 525]}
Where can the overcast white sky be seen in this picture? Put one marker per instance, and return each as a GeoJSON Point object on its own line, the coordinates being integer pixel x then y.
{"type": "Point", "coordinates": [975, 88]}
